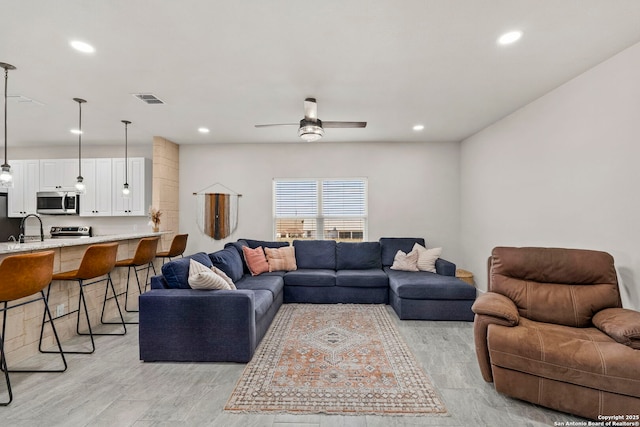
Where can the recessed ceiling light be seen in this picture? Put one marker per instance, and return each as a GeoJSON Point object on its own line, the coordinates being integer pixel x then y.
{"type": "Point", "coordinates": [418, 128]}
{"type": "Point", "coordinates": [510, 37]}
{"type": "Point", "coordinates": [82, 46]}
{"type": "Point", "coordinates": [203, 130]}
{"type": "Point", "coordinates": [76, 131]}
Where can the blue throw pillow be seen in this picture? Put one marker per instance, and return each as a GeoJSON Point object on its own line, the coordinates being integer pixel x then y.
{"type": "Point", "coordinates": [229, 261]}
{"type": "Point", "coordinates": [238, 246]}
{"type": "Point", "coordinates": [176, 272]}
{"type": "Point", "coordinates": [358, 256]}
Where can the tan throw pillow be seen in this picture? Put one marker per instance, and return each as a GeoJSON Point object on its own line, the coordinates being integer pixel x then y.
{"type": "Point", "coordinates": [224, 276]}
{"type": "Point", "coordinates": [281, 259]}
{"type": "Point", "coordinates": [201, 277]}
{"type": "Point", "coordinates": [256, 260]}
{"type": "Point", "coordinates": [405, 262]}
{"type": "Point", "coordinates": [427, 257]}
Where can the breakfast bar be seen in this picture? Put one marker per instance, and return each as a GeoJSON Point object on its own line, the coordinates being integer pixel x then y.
{"type": "Point", "coordinates": [23, 325]}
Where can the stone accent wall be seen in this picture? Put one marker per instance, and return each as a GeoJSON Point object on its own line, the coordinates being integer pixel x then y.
{"type": "Point", "coordinates": [166, 159]}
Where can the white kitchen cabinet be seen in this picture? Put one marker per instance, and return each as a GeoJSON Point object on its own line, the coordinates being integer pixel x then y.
{"type": "Point", "coordinates": [58, 174]}
{"type": "Point", "coordinates": [139, 179]}
{"type": "Point", "coordinates": [96, 175]}
{"type": "Point", "coordinates": [22, 197]}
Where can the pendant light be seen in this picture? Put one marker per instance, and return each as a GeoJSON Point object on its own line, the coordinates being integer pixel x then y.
{"type": "Point", "coordinates": [6, 179]}
{"type": "Point", "coordinates": [80, 187]}
{"type": "Point", "coordinates": [125, 188]}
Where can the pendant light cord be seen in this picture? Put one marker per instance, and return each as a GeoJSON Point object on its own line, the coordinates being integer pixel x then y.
{"type": "Point", "coordinates": [80, 139]}
{"type": "Point", "coordinates": [126, 167]}
{"type": "Point", "coordinates": [6, 77]}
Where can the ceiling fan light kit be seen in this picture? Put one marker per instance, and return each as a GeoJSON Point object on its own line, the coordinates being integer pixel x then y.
{"type": "Point", "coordinates": [310, 131]}
{"type": "Point", "coordinates": [310, 128]}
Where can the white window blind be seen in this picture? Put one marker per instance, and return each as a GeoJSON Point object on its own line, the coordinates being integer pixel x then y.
{"type": "Point", "coordinates": [320, 209]}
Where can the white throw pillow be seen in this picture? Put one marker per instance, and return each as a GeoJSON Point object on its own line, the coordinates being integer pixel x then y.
{"type": "Point", "coordinates": [427, 257]}
{"type": "Point", "coordinates": [202, 277]}
{"type": "Point", "coordinates": [224, 276]}
{"type": "Point", "coordinates": [405, 262]}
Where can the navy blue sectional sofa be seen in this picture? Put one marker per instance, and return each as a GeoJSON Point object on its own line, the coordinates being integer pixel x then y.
{"type": "Point", "coordinates": [178, 323]}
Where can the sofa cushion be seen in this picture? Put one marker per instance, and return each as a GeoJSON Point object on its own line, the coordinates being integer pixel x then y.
{"type": "Point", "coordinates": [176, 272]}
{"type": "Point", "coordinates": [281, 259]}
{"type": "Point", "coordinates": [315, 254]}
{"type": "Point", "coordinates": [580, 356]}
{"type": "Point", "coordinates": [391, 245]}
{"type": "Point", "coordinates": [372, 278]}
{"type": "Point", "coordinates": [310, 277]}
{"type": "Point", "coordinates": [263, 301]}
{"type": "Point", "coordinates": [256, 260]}
{"type": "Point", "coordinates": [263, 282]}
{"type": "Point", "coordinates": [428, 286]}
{"type": "Point", "coordinates": [427, 257]}
{"type": "Point", "coordinates": [358, 256]}
{"type": "Point", "coordinates": [224, 276]}
{"type": "Point", "coordinates": [406, 262]}
{"type": "Point", "coordinates": [202, 277]}
{"type": "Point", "coordinates": [229, 261]}
{"type": "Point", "coordinates": [238, 246]}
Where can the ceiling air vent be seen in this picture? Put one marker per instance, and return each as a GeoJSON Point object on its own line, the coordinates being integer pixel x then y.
{"type": "Point", "coordinates": [148, 98]}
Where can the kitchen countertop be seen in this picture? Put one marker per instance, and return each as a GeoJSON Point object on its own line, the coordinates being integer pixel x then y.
{"type": "Point", "coordinates": [7, 248]}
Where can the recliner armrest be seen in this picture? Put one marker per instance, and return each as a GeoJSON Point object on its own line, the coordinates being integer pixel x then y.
{"type": "Point", "coordinates": [491, 309]}
{"type": "Point", "coordinates": [621, 324]}
{"type": "Point", "coordinates": [497, 305]}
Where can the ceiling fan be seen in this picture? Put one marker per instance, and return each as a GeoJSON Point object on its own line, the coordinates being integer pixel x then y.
{"type": "Point", "coordinates": [311, 128]}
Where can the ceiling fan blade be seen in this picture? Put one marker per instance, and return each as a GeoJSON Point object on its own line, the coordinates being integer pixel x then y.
{"type": "Point", "coordinates": [310, 109]}
{"type": "Point", "coordinates": [344, 124]}
{"type": "Point", "coordinates": [277, 124]}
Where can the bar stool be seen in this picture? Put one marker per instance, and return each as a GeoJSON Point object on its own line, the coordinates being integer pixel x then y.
{"type": "Point", "coordinates": [142, 260]}
{"type": "Point", "coordinates": [22, 276]}
{"type": "Point", "coordinates": [97, 261]}
{"type": "Point", "coordinates": [178, 246]}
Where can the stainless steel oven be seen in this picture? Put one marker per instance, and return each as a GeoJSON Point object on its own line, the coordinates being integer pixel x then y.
{"type": "Point", "coordinates": [58, 203]}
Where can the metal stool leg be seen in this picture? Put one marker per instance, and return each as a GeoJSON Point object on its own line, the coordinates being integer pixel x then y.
{"type": "Point", "coordinates": [126, 292]}
{"type": "Point", "coordinates": [3, 361]}
{"type": "Point", "coordinates": [81, 304]}
{"type": "Point", "coordinates": [104, 304]}
{"type": "Point", "coordinates": [146, 279]}
{"type": "Point", "coordinates": [82, 299]}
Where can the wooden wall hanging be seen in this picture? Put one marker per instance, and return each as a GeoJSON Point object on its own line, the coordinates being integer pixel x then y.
{"type": "Point", "coordinates": [217, 212]}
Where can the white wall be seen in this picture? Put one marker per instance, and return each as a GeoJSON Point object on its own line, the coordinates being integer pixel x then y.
{"type": "Point", "coordinates": [413, 187]}
{"type": "Point", "coordinates": [562, 171]}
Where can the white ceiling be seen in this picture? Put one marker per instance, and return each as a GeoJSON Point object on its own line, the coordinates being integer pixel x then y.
{"type": "Point", "coordinates": [228, 65]}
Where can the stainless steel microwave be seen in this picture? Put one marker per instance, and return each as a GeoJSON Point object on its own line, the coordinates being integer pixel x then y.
{"type": "Point", "coordinates": [58, 203]}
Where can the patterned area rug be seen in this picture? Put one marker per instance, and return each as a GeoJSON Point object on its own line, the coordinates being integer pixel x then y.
{"type": "Point", "coordinates": [334, 359]}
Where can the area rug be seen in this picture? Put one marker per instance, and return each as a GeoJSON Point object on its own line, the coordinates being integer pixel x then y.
{"type": "Point", "coordinates": [334, 359]}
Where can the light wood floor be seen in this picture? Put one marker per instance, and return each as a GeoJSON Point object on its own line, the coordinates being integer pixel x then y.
{"type": "Point", "coordinates": [113, 388]}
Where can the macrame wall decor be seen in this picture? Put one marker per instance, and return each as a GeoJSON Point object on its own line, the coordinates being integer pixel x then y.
{"type": "Point", "coordinates": [217, 211]}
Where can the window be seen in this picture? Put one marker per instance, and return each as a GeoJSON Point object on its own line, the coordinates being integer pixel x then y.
{"type": "Point", "coordinates": [333, 209]}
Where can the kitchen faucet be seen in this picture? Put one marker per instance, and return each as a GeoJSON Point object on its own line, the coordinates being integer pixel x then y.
{"type": "Point", "coordinates": [21, 237]}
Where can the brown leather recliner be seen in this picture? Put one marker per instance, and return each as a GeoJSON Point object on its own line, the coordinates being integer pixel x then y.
{"type": "Point", "coordinates": [551, 331]}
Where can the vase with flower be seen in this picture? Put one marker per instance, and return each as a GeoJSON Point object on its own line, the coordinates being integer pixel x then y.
{"type": "Point", "coordinates": [154, 214]}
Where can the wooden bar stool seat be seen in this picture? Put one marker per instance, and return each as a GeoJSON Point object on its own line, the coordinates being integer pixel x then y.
{"type": "Point", "coordinates": [142, 260]}
{"type": "Point", "coordinates": [177, 248]}
{"type": "Point", "coordinates": [22, 276]}
{"type": "Point", "coordinates": [98, 261]}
